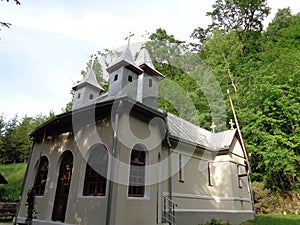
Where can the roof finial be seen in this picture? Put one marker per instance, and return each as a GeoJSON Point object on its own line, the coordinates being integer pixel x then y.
{"type": "Point", "coordinates": [231, 124]}
{"type": "Point", "coordinates": [213, 127]}
{"type": "Point", "coordinates": [94, 57]}
{"type": "Point", "coordinates": [128, 37]}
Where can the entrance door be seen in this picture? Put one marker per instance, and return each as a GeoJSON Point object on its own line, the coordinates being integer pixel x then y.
{"type": "Point", "coordinates": [63, 187]}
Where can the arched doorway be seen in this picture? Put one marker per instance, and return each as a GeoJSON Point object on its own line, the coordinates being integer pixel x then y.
{"type": "Point", "coordinates": [63, 187]}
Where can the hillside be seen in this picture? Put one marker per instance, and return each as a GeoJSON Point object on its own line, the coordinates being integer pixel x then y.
{"type": "Point", "coordinates": [14, 174]}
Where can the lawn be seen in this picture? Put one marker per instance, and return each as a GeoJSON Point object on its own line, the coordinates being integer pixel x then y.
{"type": "Point", "coordinates": [275, 219]}
{"type": "Point", "coordinates": [14, 174]}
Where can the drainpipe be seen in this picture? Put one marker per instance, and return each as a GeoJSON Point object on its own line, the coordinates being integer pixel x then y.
{"type": "Point", "coordinates": [167, 138]}
{"type": "Point", "coordinates": [112, 167]}
{"type": "Point", "coordinates": [24, 181]}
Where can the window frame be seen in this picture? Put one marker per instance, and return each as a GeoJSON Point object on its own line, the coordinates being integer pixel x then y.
{"type": "Point", "coordinates": [210, 176]}
{"type": "Point", "coordinates": [41, 177]}
{"type": "Point", "coordinates": [139, 177]}
{"type": "Point", "coordinates": [180, 169]}
{"type": "Point", "coordinates": [92, 179]}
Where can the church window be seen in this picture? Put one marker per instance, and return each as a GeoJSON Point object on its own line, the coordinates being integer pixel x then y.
{"type": "Point", "coordinates": [96, 171]}
{"type": "Point", "coordinates": [180, 171]}
{"type": "Point", "coordinates": [239, 176]}
{"type": "Point", "coordinates": [150, 83]}
{"type": "Point", "coordinates": [210, 177]}
{"type": "Point", "coordinates": [91, 96]}
{"type": "Point", "coordinates": [41, 176]}
{"type": "Point", "coordinates": [137, 174]}
{"type": "Point", "coordinates": [78, 96]}
{"type": "Point", "coordinates": [116, 77]}
{"type": "Point", "coordinates": [129, 78]}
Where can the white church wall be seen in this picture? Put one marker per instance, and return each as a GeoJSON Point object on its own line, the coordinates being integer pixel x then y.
{"type": "Point", "coordinates": [136, 210]}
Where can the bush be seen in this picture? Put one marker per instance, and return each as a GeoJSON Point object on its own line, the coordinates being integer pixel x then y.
{"type": "Point", "coordinates": [265, 201]}
{"type": "Point", "coordinates": [215, 222]}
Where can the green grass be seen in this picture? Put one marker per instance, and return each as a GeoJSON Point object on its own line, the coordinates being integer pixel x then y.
{"type": "Point", "coordinates": [14, 174]}
{"type": "Point", "coordinates": [275, 219]}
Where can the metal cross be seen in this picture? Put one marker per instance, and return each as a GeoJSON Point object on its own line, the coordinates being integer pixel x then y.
{"type": "Point", "coordinates": [231, 124]}
{"type": "Point", "coordinates": [213, 126]}
{"type": "Point", "coordinates": [145, 35]}
{"type": "Point", "coordinates": [128, 37]}
{"type": "Point", "coordinates": [94, 57]}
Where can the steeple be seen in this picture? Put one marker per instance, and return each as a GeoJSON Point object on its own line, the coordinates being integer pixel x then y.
{"type": "Point", "coordinates": [86, 90]}
{"type": "Point", "coordinates": [148, 81]}
{"type": "Point", "coordinates": [123, 76]}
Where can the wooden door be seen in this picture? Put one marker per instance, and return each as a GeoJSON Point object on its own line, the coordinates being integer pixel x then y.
{"type": "Point", "coordinates": [63, 187]}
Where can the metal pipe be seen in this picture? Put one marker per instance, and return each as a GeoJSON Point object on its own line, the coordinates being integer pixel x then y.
{"type": "Point", "coordinates": [112, 167]}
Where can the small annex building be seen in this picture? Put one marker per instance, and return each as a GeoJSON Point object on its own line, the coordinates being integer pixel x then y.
{"type": "Point", "coordinates": [116, 159]}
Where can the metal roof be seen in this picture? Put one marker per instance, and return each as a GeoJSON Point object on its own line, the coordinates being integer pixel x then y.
{"type": "Point", "coordinates": [192, 133]}
{"type": "Point", "coordinates": [127, 61]}
{"type": "Point", "coordinates": [145, 63]}
{"type": "Point", "coordinates": [89, 78]}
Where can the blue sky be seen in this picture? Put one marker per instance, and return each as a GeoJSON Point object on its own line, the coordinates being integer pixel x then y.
{"type": "Point", "coordinates": [50, 42]}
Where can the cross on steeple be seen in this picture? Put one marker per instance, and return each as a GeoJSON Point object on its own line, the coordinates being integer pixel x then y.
{"type": "Point", "coordinates": [145, 35]}
{"type": "Point", "coordinates": [94, 57]}
{"type": "Point", "coordinates": [231, 124]}
{"type": "Point", "coordinates": [213, 127]}
{"type": "Point", "coordinates": [128, 37]}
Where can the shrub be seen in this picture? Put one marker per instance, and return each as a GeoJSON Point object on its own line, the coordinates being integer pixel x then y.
{"type": "Point", "coordinates": [265, 201]}
{"type": "Point", "coordinates": [215, 222]}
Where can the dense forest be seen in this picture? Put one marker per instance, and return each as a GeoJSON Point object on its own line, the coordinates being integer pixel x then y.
{"type": "Point", "coordinates": [261, 68]}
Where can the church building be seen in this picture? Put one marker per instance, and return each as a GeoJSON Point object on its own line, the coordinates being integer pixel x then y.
{"type": "Point", "coordinates": [117, 159]}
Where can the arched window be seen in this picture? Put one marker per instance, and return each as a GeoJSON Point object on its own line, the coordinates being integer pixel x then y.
{"type": "Point", "coordinates": [63, 187]}
{"type": "Point", "coordinates": [137, 172]}
{"type": "Point", "coordinates": [96, 171]}
{"type": "Point", "coordinates": [41, 176]}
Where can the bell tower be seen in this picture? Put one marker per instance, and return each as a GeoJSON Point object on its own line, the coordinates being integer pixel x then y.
{"type": "Point", "coordinates": [148, 82]}
{"type": "Point", "coordinates": [123, 76]}
{"type": "Point", "coordinates": [87, 89]}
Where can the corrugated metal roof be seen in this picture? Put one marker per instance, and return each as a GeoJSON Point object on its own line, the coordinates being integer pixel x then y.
{"type": "Point", "coordinates": [185, 130]}
{"type": "Point", "coordinates": [192, 133]}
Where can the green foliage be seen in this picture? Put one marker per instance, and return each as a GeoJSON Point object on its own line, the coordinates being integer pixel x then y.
{"type": "Point", "coordinates": [30, 203]}
{"type": "Point", "coordinates": [215, 222]}
{"type": "Point", "coordinates": [262, 70]}
{"type": "Point", "coordinates": [244, 15]}
{"type": "Point", "coordinates": [14, 137]}
{"type": "Point", "coordinates": [277, 219]}
{"type": "Point", "coordinates": [265, 201]}
{"type": "Point", "coordinates": [14, 174]}
{"type": "Point", "coordinates": [185, 76]}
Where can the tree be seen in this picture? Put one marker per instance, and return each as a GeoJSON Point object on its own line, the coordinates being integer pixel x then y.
{"type": "Point", "coordinates": [239, 15]}
{"type": "Point", "coordinates": [15, 143]}
{"type": "Point", "coordinates": [244, 17]}
{"type": "Point", "coordinates": [263, 68]}
{"type": "Point", "coordinates": [6, 24]}
{"type": "Point", "coordinates": [189, 89]}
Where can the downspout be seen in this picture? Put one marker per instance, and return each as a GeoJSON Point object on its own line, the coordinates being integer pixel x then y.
{"type": "Point", "coordinates": [24, 181]}
{"type": "Point", "coordinates": [112, 167]}
{"type": "Point", "coordinates": [167, 138]}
